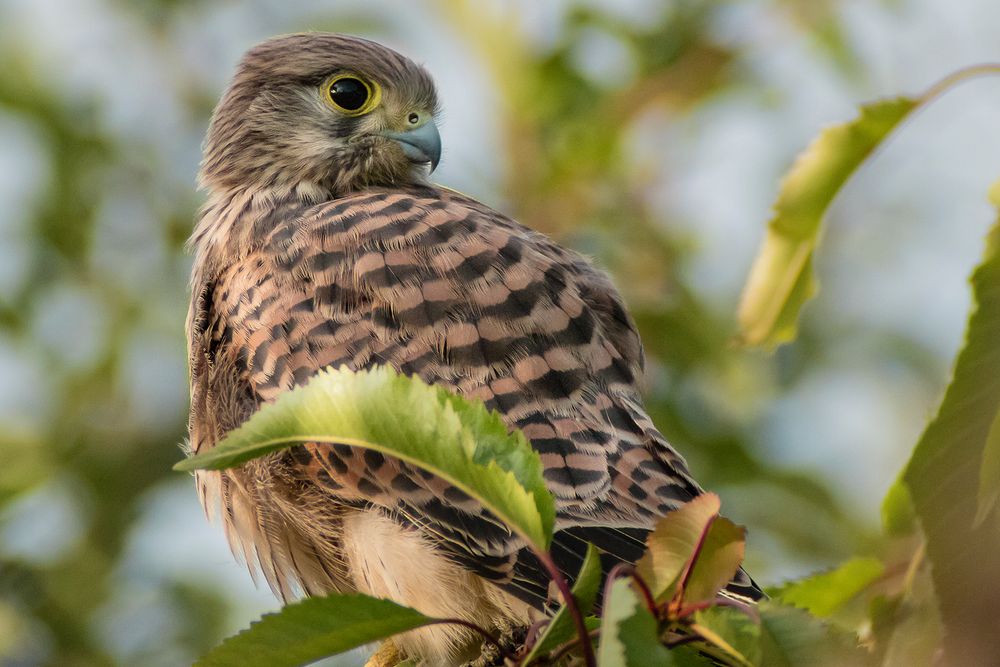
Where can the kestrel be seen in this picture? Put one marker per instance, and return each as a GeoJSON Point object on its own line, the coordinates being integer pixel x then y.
{"type": "Point", "coordinates": [323, 243]}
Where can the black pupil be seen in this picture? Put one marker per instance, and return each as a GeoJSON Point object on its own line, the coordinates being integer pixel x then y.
{"type": "Point", "coordinates": [349, 94]}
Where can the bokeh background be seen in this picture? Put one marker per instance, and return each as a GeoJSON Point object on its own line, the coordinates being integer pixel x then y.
{"type": "Point", "coordinates": [648, 134]}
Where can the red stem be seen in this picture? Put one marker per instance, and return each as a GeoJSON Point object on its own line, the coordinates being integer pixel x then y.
{"type": "Point", "coordinates": [531, 636]}
{"type": "Point", "coordinates": [628, 570]}
{"type": "Point", "coordinates": [646, 593]}
{"type": "Point", "coordinates": [589, 659]}
{"type": "Point", "coordinates": [689, 566]}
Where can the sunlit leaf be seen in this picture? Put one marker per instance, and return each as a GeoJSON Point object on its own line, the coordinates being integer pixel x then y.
{"type": "Point", "coordinates": [561, 629]}
{"type": "Point", "coordinates": [629, 635]}
{"type": "Point", "coordinates": [312, 629]}
{"type": "Point", "coordinates": [781, 279]}
{"type": "Point", "coordinates": [694, 531]}
{"type": "Point", "coordinates": [825, 593]}
{"type": "Point", "coordinates": [717, 561]}
{"type": "Point", "coordinates": [943, 477]}
{"type": "Point", "coordinates": [427, 426]}
{"type": "Point", "coordinates": [673, 541]}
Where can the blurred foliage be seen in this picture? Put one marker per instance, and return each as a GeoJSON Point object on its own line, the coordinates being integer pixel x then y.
{"type": "Point", "coordinates": [91, 325]}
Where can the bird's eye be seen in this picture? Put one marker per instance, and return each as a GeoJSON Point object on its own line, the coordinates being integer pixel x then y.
{"type": "Point", "coordinates": [352, 95]}
{"type": "Point", "coordinates": [349, 94]}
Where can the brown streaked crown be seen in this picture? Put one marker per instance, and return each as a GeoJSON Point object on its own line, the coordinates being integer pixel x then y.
{"type": "Point", "coordinates": [272, 129]}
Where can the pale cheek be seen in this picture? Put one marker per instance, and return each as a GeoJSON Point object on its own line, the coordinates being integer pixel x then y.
{"type": "Point", "coordinates": [371, 123]}
{"type": "Point", "coordinates": [313, 142]}
{"type": "Point", "coordinates": [313, 131]}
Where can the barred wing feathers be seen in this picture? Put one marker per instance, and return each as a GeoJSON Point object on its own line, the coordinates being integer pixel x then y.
{"type": "Point", "coordinates": [434, 284]}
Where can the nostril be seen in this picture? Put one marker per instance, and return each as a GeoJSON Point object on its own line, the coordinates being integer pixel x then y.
{"type": "Point", "coordinates": [414, 118]}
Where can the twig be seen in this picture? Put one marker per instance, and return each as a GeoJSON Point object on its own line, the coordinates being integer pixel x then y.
{"type": "Point", "coordinates": [532, 634]}
{"type": "Point", "coordinates": [589, 659]}
{"type": "Point", "coordinates": [628, 570]}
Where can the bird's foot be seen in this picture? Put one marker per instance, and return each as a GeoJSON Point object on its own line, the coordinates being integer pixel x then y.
{"type": "Point", "coordinates": [491, 655]}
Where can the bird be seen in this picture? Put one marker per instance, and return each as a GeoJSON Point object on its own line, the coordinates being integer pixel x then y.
{"type": "Point", "coordinates": [323, 243]}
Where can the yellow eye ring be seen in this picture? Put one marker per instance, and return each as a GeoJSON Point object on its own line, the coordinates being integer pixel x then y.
{"type": "Point", "coordinates": [351, 95]}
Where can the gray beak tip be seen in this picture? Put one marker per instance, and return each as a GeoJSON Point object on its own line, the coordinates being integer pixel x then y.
{"type": "Point", "coordinates": [421, 144]}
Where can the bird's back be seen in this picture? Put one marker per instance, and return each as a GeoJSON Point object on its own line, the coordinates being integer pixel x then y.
{"type": "Point", "coordinates": [432, 284]}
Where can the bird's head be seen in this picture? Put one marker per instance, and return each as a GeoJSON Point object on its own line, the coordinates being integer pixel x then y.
{"type": "Point", "coordinates": [322, 113]}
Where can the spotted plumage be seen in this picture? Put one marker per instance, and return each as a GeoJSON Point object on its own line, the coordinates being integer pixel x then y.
{"type": "Point", "coordinates": [324, 244]}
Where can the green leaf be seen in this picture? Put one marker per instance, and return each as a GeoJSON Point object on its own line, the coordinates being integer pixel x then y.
{"type": "Point", "coordinates": [314, 628]}
{"type": "Point", "coordinates": [784, 636]}
{"type": "Point", "coordinates": [693, 543]}
{"type": "Point", "coordinates": [790, 637]}
{"type": "Point", "coordinates": [629, 633]}
{"type": "Point", "coordinates": [673, 541]}
{"type": "Point", "coordinates": [882, 613]}
{"type": "Point", "coordinates": [687, 656]}
{"type": "Point", "coordinates": [739, 633]}
{"type": "Point", "coordinates": [457, 439]}
{"type": "Point", "coordinates": [914, 625]}
{"type": "Point", "coordinates": [899, 518]}
{"type": "Point", "coordinates": [989, 473]}
{"type": "Point", "coordinates": [943, 477]}
{"type": "Point", "coordinates": [825, 593]}
{"type": "Point", "coordinates": [781, 280]}
{"type": "Point", "coordinates": [561, 628]}
{"type": "Point", "coordinates": [717, 561]}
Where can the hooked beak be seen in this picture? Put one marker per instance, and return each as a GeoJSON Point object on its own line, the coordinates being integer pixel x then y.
{"type": "Point", "coordinates": [421, 144]}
